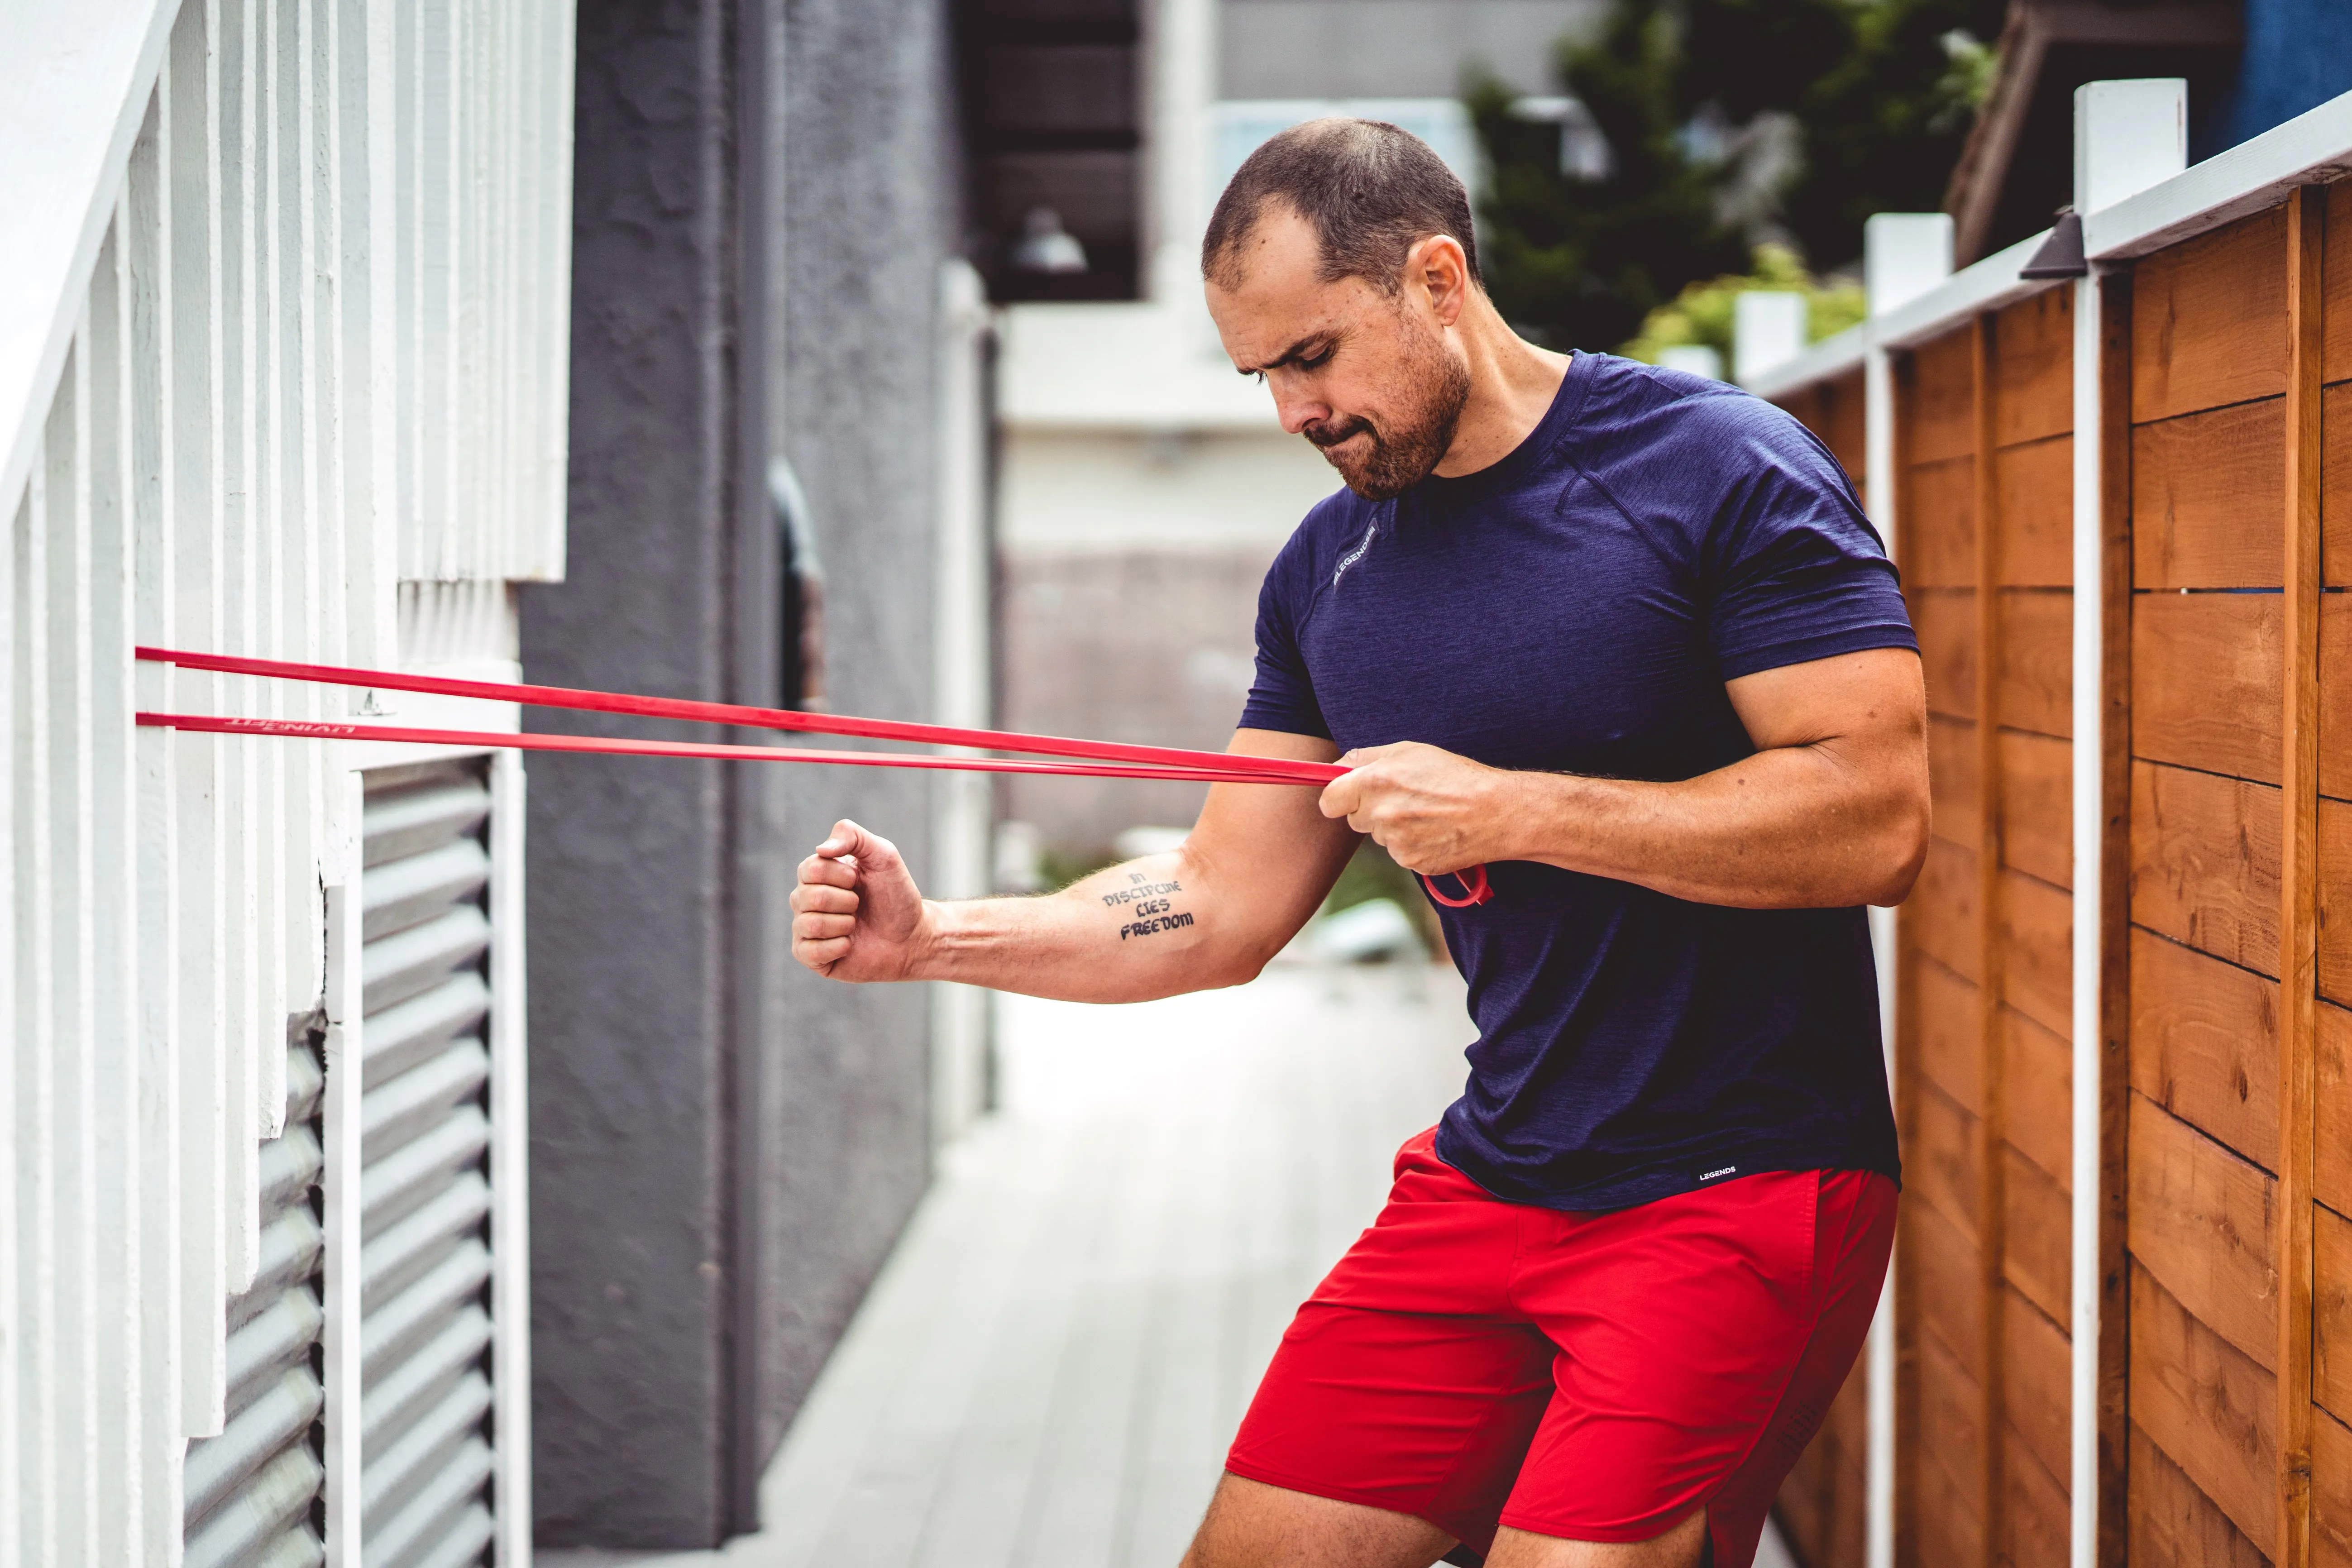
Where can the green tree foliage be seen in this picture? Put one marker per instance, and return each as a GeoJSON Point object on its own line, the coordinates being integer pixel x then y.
{"type": "Point", "coordinates": [1577, 261]}
{"type": "Point", "coordinates": [1703, 313]}
{"type": "Point", "coordinates": [1880, 94]}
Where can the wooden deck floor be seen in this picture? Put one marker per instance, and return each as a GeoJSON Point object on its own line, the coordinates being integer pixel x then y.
{"type": "Point", "coordinates": [1049, 1369]}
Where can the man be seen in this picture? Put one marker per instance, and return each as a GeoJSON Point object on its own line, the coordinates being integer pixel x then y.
{"type": "Point", "coordinates": [1622, 636]}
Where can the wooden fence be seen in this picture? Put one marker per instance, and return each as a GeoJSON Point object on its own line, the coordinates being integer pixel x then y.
{"type": "Point", "coordinates": [2222, 1273]}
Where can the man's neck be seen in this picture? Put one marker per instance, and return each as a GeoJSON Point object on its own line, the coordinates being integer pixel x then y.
{"type": "Point", "coordinates": [1512, 385]}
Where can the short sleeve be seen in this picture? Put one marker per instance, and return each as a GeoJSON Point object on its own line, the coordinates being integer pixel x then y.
{"type": "Point", "coordinates": [1282, 695]}
{"type": "Point", "coordinates": [1797, 572]}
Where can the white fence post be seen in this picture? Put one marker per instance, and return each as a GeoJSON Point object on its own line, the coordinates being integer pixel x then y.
{"type": "Point", "coordinates": [1905, 256]}
{"type": "Point", "coordinates": [2128, 135]}
{"type": "Point", "coordinates": [1768, 331]}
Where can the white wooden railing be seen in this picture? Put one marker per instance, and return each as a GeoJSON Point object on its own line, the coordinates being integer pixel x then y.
{"type": "Point", "coordinates": [283, 322]}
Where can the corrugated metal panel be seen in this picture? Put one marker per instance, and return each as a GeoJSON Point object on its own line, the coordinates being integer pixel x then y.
{"type": "Point", "coordinates": [425, 1182]}
{"type": "Point", "coordinates": [314, 327]}
{"type": "Point", "coordinates": [253, 1491]}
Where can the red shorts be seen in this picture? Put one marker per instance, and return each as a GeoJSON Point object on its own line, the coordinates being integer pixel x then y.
{"type": "Point", "coordinates": [1590, 1376]}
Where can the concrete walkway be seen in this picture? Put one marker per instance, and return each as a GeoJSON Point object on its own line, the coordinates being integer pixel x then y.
{"type": "Point", "coordinates": [1050, 1367]}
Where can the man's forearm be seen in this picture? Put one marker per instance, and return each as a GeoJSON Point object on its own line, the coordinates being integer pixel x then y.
{"type": "Point", "coordinates": [1147, 929]}
{"type": "Point", "coordinates": [1792, 828]}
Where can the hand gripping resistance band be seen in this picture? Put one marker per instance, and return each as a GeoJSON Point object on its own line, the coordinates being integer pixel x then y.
{"type": "Point", "coordinates": [1094, 759]}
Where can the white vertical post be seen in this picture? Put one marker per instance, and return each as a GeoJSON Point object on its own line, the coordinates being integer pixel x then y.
{"type": "Point", "coordinates": [338, 1192]}
{"type": "Point", "coordinates": [510, 1161]}
{"type": "Point", "coordinates": [2128, 135]}
{"type": "Point", "coordinates": [1768, 331]}
{"type": "Point", "coordinates": [1183, 44]}
{"type": "Point", "coordinates": [1905, 254]}
{"type": "Point", "coordinates": [962, 675]}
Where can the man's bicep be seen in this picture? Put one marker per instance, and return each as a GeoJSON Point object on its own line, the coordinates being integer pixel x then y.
{"type": "Point", "coordinates": [1268, 849]}
{"type": "Point", "coordinates": [1877, 693]}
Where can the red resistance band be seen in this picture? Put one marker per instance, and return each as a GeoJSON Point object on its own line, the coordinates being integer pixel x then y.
{"type": "Point", "coordinates": [1097, 758]}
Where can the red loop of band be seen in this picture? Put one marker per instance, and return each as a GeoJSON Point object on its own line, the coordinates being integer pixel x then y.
{"type": "Point", "coordinates": [611, 745]}
{"type": "Point", "coordinates": [1094, 759]}
{"type": "Point", "coordinates": [1474, 883]}
{"type": "Point", "coordinates": [1279, 769]}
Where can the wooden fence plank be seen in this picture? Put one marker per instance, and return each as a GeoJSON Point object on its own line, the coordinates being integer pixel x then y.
{"type": "Point", "coordinates": [2336, 470]}
{"type": "Point", "coordinates": [2033, 371]}
{"type": "Point", "coordinates": [2207, 1405]}
{"type": "Point", "coordinates": [2202, 1223]}
{"type": "Point", "coordinates": [2039, 1064]}
{"type": "Point", "coordinates": [1941, 1158]}
{"type": "Point", "coordinates": [2036, 933]}
{"type": "Point", "coordinates": [2205, 499]}
{"type": "Point", "coordinates": [1940, 916]}
{"type": "Point", "coordinates": [1945, 1040]}
{"type": "Point", "coordinates": [2331, 1128]}
{"type": "Point", "coordinates": [2331, 1486]}
{"type": "Point", "coordinates": [2038, 1372]}
{"type": "Point", "coordinates": [1954, 808]}
{"type": "Point", "coordinates": [1939, 527]}
{"type": "Point", "coordinates": [2335, 690]}
{"type": "Point", "coordinates": [2006, 913]}
{"type": "Point", "coordinates": [2336, 328]}
{"type": "Point", "coordinates": [1943, 1266]}
{"type": "Point", "coordinates": [2204, 862]}
{"type": "Point", "coordinates": [2034, 1514]}
{"type": "Point", "coordinates": [2334, 890]}
{"type": "Point", "coordinates": [2173, 1524]}
{"type": "Point", "coordinates": [2208, 320]}
{"type": "Point", "coordinates": [1939, 398]}
{"type": "Point", "coordinates": [1944, 619]}
{"type": "Point", "coordinates": [2205, 681]}
{"type": "Point", "coordinates": [2331, 1311]}
{"type": "Point", "coordinates": [1951, 1406]}
{"type": "Point", "coordinates": [2033, 486]}
{"type": "Point", "coordinates": [2037, 798]}
{"type": "Point", "coordinates": [2037, 1233]}
{"type": "Point", "coordinates": [2036, 660]}
{"type": "Point", "coordinates": [2298, 890]}
{"type": "Point", "coordinates": [2204, 1045]}
{"type": "Point", "coordinates": [2112, 1354]}
{"type": "Point", "coordinates": [1946, 1529]}
{"type": "Point", "coordinates": [1842, 428]}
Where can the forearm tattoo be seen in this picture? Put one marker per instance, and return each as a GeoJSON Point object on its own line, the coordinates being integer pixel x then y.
{"type": "Point", "coordinates": [1147, 908]}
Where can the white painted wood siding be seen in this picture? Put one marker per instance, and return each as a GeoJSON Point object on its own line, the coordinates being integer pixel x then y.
{"type": "Point", "coordinates": [286, 323]}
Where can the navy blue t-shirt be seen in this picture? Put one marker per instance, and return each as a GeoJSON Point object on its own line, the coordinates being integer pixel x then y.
{"type": "Point", "coordinates": [1577, 608]}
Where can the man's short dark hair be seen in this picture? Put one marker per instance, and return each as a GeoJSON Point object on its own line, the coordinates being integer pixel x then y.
{"type": "Point", "coordinates": [1370, 190]}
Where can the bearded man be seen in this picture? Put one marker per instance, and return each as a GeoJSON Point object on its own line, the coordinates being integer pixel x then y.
{"type": "Point", "coordinates": [1623, 637]}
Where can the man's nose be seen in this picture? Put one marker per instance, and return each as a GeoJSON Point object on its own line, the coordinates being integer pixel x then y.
{"type": "Point", "coordinates": [1297, 409]}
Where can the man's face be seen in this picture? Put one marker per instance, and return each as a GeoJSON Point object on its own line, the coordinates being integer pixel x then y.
{"type": "Point", "coordinates": [1370, 378]}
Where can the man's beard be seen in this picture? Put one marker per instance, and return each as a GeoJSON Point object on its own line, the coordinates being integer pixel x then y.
{"type": "Point", "coordinates": [1410, 450]}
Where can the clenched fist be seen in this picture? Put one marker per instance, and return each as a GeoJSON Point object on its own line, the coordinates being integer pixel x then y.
{"type": "Point", "coordinates": [857, 913]}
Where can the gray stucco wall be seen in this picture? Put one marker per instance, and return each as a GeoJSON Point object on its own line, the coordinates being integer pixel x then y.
{"type": "Point", "coordinates": [871, 177]}
{"type": "Point", "coordinates": [627, 864]}
{"type": "Point", "coordinates": [724, 1148]}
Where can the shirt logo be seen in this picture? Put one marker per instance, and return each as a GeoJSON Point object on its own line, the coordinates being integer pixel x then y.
{"type": "Point", "coordinates": [1355, 554]}
{"type": "Point", "coordinates": [1711, 1176]}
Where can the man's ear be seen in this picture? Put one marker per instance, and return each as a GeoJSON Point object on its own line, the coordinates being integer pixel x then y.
{"type": "Point", "coordinates": [1437, 265]}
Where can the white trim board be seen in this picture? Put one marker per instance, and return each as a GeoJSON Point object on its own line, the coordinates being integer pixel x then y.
{"type": "Point", "coordinates": [2313, 147]}
{"type": "Point", "coordinates": [61, 163]}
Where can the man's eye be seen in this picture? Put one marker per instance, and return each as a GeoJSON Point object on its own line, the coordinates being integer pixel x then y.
{"type": "Point", "coordinates": [1318, 362]}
